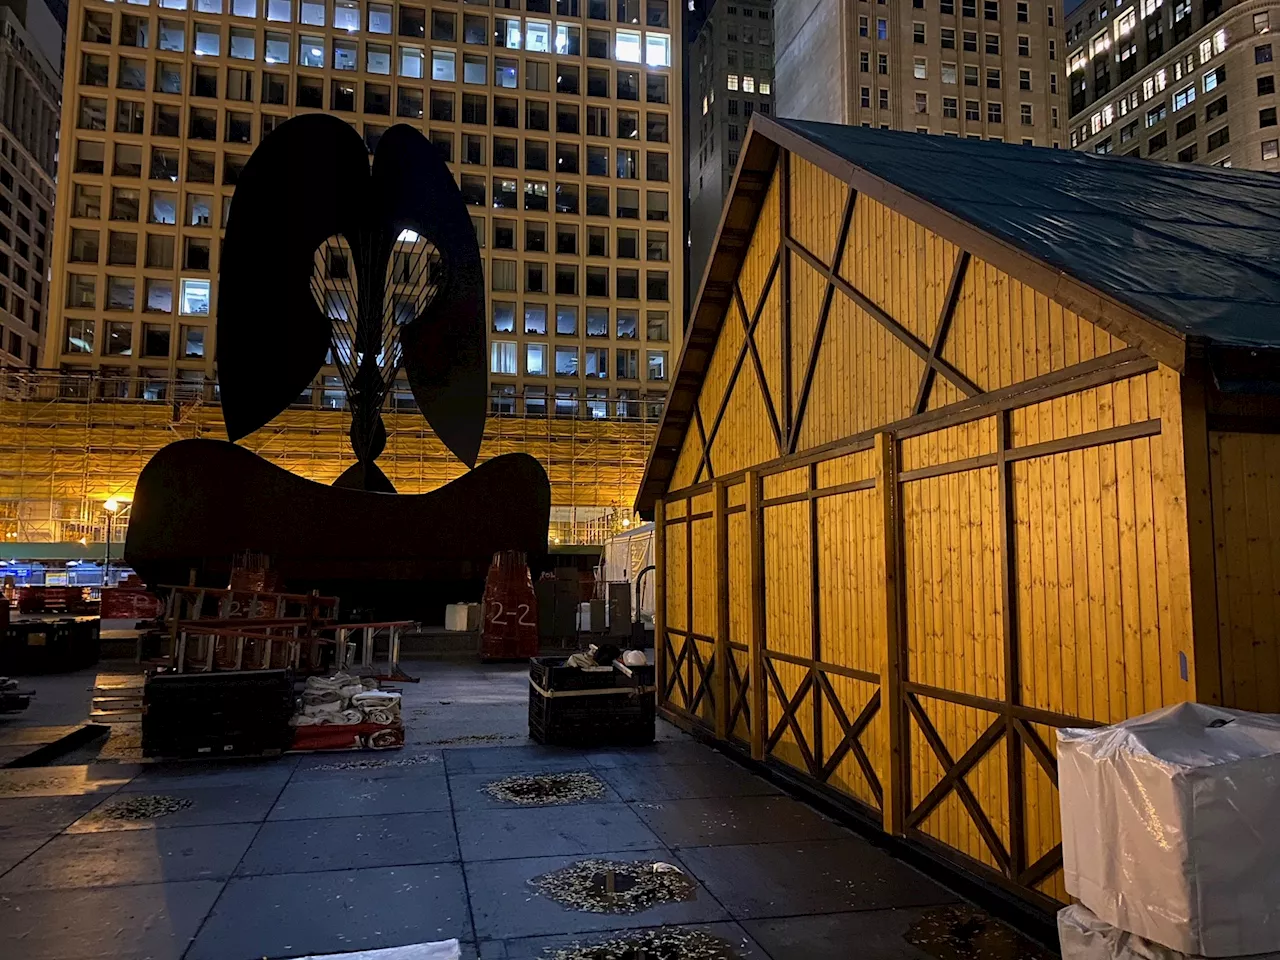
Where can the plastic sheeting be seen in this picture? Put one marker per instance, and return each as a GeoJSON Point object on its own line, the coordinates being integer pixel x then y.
{"type": "Point", "coordinates": [440, 950]}
{"type": "Point", "coordinates": [1082, 936]}
{"type": "Point", "coordinates": [1168, 827]}
{"type": "Point", "coordinates": [1190, 246]}
{"type": "Point", "coordinates": [625, 556]}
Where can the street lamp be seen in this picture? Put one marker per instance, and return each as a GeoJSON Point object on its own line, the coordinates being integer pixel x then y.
{"type": "Point", "coordinates": [111, 506]}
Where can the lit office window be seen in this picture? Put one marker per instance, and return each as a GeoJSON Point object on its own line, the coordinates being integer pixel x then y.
{"type": "Point", "coordinates": [627, 46]}
{"type": "Point", "coordinates": [195, 298]}
{"type": "Point", "coordinates": [657, 50]}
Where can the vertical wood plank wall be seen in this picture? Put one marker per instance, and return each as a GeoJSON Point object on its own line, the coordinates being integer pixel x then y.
{"type": "Point", "coordinates": [1245, 484]}
{"type": "Point", "coordinates": [1025, 550]}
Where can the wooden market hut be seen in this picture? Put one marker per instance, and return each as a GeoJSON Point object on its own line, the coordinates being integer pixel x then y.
{"type": "Point", "coordinates": [968, 442]}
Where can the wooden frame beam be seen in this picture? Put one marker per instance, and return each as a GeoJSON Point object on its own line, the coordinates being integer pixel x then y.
{"type": "Point", "coordinates": [765, 392]}
{"type": "Point", "coordinates": [749, 329]}
{"type": "Point", "coordinates": [968, 760]}
{"type": "Point", "coordinates": [909, 339]}
{"type": "Point", "coordinates": [941, 330]}
{"type": "Point", "coordinates": [970, 802]}
{"type": "Point", "coordinates": [1008, 560]}
{"type": "Point", "coordinates": [704, 463]}
{"type": "Point", "coordinates": [784, 238]}
{"type": "Point", "coordinates": [811, 365]}
{"type": "Point", "coordinates": [851, 732]}
{"type": "Point", "coordinates": [661, 640]}
{"type": "Point", "coordinates": [741, 705]}
{"type": "Point", "coordinates": [723, 655]}
{"type": "Point", "coordinates": [755, 550]}
{"type": "Point", "coordinates": [790, 704]}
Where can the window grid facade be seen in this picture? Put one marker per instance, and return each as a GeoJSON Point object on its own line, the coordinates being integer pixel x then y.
{"type": "Point", "coordinates": [557, 121]}
{"type": "Point", "coordinates": [1189, 82]}
{"type": "Point", "coordinates": [28, 146]}
{"type": "Point", "coordinates": [924, 58]}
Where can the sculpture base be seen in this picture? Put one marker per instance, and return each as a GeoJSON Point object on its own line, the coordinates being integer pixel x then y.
{"type": "Point", "coordinates": [199, 503]}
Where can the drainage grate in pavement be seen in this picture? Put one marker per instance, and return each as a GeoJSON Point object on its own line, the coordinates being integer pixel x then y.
{"type": "Point", "coordinates": [668, 943]}
{"type": "Point", "coordinates": [544, 789]}
{"type": "Point", "coordinates": [139, 807]}
{"type": "Point", "coordinates": [615, 886]}
{"type": "Point", "coordinates": [966, 933]}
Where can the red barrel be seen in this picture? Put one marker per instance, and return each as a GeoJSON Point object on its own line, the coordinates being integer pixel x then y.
{"type": "Point", "coordinates": [510, 630]}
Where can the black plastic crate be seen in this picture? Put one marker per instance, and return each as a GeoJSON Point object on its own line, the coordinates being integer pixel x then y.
{"type": "Point", "coordinates": [49, 646]}
{"type": "Point", "coordinates": [550, 673]}
{"type": "Point", "coordinates": [232, 713]}
{"type": "Point", "coordinates": [610, 708]}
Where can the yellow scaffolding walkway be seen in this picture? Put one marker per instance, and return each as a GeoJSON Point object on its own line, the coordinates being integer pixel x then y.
{"type": "Point", "coordinates": [64, 452]}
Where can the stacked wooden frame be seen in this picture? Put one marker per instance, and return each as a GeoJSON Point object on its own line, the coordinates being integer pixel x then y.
{"type": "Point", "coordinates": [921, 500]}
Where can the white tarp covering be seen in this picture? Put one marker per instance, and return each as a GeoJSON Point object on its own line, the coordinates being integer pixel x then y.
{"type": "Point", "coordinates": [1169, 827]}
{"type": "Point", "coordinates": [1082, 936]}
{"type": "Point", "coordinates": [625, 556]}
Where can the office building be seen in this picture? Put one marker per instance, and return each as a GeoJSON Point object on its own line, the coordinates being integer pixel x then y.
{"type": "Point", "coordinates": [983, 69]}
{"type": "Point", "coordinates": [1192, 81]}
{"type": "Point", "coordinates": [559, 120]}
{"type": "Point", "coordinates": [30, 81]}
{"type": "Point", "coordinates": [730, 77]}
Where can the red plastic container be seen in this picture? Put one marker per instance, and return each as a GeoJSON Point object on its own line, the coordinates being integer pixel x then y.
{"type": "Point", "coordinates": [510, 628]}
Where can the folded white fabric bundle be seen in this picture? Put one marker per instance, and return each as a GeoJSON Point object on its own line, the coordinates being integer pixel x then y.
{"type": "Point", "coordinates": [343, 699]}
{"type": "Point", "coordinates": [312, 698]}
{"type": "Point", "coordinates": [328, 708]}
{"type": "Point", "coordinates": [378, 706]}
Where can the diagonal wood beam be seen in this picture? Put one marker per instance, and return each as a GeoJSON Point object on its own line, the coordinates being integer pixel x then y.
{"type": "Point", "coordinates": [742, 354]}
{"type": "Point", "coordinates": [750, 334]}
{"type": "Point", "coordinates": [837, 258]}
{"type": "Point", "coordinates": [701, 670]}
{"type": "Point", "coordinates": [971, 804]}
{"type": "Point", "coordinates": [851, 742]}
{"type": "Point", "coordinates": [980, 748]}
{"type": "Point", "coordinates": [741, 688]}
{"type": "Point", "coordinates": [705, 463]}
{"type": "Point", "coordinates": [942, 329]}
{"type": "Point", "coordinates": [1039, 749]}
{"type": "Point", "coordinates": [789, 707]}
{"type": "Point", "coordinates": [909, 339]}
{"type": "Point", "coordinates": [1048, 863]}
{"type": "Point", "coordinates": [676, 677]}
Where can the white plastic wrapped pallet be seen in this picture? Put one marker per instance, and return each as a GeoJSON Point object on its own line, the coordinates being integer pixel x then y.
{"type": "Point", "coordinates": [1082, 936]}
{"type": "Point", "coordinates": [1169, 827]}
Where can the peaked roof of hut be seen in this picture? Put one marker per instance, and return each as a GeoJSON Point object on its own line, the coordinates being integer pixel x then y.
{"type": "Point", "coordinates": [1180, 261]}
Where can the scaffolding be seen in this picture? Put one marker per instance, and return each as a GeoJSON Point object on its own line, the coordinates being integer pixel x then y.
{"type": "Point", "coordinates": [68, 444]}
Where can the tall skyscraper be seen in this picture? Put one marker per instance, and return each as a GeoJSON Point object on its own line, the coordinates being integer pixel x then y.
{"type": "Point", "coordinates": [560, 121]}
{"type": "Point", "coordinates": [983, 69]}
{"type": "Point", "coordinates": [30, 78]}
{"type": "Point", "coordinates": [1185, 80]}
{"type": "Point", "coordinates": [730, 77]}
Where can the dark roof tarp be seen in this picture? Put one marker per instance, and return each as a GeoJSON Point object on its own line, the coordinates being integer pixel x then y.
{"type": "Point", "coordinates": [1195, 248]}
